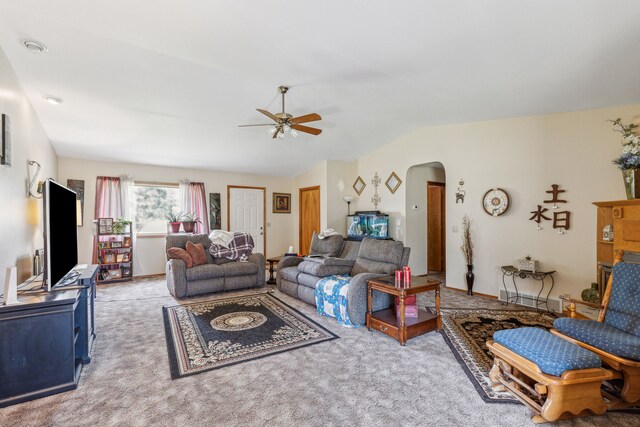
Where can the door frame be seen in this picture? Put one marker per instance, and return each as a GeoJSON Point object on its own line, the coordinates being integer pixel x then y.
{"type": "Point", "coordinates": [264, 210]}
{"type": "Point", "coordinates": [300, 190]}
{"type": "Point", "coordinates": [443, 230]}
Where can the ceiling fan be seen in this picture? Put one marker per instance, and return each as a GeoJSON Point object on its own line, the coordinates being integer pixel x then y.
{"type": "Point", "coordinates": [285, 123]}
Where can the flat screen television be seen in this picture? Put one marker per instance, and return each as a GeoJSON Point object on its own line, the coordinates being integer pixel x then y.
{"type": "Point", "coordinates": [60, 233]}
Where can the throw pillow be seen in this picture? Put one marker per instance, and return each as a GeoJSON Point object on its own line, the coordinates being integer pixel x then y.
{"type": "Point", "coordinates": [197, 253]}
{"type": "Point", "coordinates": [179, 253]}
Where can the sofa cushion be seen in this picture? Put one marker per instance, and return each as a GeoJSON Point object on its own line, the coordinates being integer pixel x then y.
{"type": "Point", "coordinates": [203, 272]}
{"type": "Point", "coordinates": [378, 256]}
{"type": "Point", "coordinates": [600, 335]}
{"type": "Point", "coordinates": [552, 354]}
{"type": "Point", "coordinates": [290, 274]}
{"type": "Point", "coordinates": [623, 311]}
{"type": "Point", "coordinates": [350, 249]}
{"type": "Point", "coordinates": [197, 253]}
{"type": "Point", "coordinates": [319, 269]}
{"type": "Point", "coordinates": [308, 280]}
{"type": "Point", "coordinates": [179, 253]}
{"type": "Point", "coordinates": [180, 240]}
{"type": "Point", "coordinates": [237, 268]}
{"type": "Point", "coordinates": [331, 261]}
{"type": "Point", "coordinates": [329, 246]}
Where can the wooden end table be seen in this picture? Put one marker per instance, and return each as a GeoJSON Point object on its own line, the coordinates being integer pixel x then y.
{"type": "Point", "coordinates": [400, 327]}
{"type": "Point", "coordinates": [271, 261]}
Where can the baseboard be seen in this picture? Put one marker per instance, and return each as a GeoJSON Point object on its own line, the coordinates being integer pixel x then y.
{"type": "Point", "coordinates": [475, 293]}
{"type": "Point", "coordinates": [147, 276]}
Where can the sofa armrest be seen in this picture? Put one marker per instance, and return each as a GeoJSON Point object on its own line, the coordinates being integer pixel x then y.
{"type": "Point", "coordinates": [357, 298]}
{"type": "Point", "coordinates": [289, 261]}
{"type": "Point", "coordinates": [260, 261]}
{"type": "Point", "coordinates": [177, 277]}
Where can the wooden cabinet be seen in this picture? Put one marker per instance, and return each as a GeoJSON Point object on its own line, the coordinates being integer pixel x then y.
{"type": "Point", "coordinates": [624, 216]}
{"type": "Point", "coordinates": [46, 339]}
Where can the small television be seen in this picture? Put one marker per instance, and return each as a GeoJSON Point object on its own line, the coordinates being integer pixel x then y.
{"type": "Point", "coordinates": [60, 234]}
{"type": "Point", "coordinates": [367, 224]}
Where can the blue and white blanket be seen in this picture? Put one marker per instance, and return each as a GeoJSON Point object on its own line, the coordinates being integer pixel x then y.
{"type": "Point", "coordinates": [331, 299]}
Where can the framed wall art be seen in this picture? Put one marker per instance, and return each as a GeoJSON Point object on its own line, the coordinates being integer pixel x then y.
{"type": "Point", "coordinates": [359, 185]}
{"type": "Point", "coordinates": [393, 182]}
{"type": "Point", "coordinates": [281, 202]}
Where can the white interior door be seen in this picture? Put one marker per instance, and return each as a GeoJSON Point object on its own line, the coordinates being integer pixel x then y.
{"type": "Point", "coordinates": [246, 214]}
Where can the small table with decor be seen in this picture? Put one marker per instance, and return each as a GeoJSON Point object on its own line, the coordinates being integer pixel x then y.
{"type": "Point", "coordinates": [399, 326]}
{"type": "Point", "coordinates": [271, 261]}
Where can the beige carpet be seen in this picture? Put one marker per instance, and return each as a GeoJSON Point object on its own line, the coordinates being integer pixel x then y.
{"type": "Point", "coordinates": [363, 378]}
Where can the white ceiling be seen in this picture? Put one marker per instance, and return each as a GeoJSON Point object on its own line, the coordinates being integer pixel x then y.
{"type": "Point", "coordinates": [167, 82]}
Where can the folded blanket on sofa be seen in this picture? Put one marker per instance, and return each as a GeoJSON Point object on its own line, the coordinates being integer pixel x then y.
{"type": "Point", "coordinates": [240, 247]}
{"type": "Point", "coordinates": [221, 237]}
{"type": "Point", "coordinates": [331, 299]}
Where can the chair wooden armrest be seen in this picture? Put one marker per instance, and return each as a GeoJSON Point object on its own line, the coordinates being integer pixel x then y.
{"type": "Point", "coordinates": [572, 305]}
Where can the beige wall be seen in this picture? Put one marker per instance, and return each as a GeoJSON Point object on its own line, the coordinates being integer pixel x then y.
{"type": "Point", "coordinates": [524, 156]}
{"type": "Point", "coordinates": [20, 216]}
{"type": "Point", "coordinates": [150, 252]}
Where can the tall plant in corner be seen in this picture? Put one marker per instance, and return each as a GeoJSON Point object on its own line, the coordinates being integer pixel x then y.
{"type": "Point", "coordinates": [467, 250]}
{"type": "Point", "coordinates": [629, 160]}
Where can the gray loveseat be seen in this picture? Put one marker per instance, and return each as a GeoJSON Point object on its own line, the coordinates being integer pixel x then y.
{"type": "Point", "coordinates": [361, 260]}
{"type": "Point", "coordinates": [214, 276]}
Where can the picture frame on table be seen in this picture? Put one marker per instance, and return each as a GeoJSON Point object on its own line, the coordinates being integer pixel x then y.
{"type": "Point", "coordinates": [126, 257]}
{"type": "Point", "coordinates": [109, 257]}
{"type": "Point", "coordinates": [105, 225]}
{"type": "Point", "coordinates": [126, 243]}
{"type": "Point", "coordinates": [104, 245]}
{"type": "Point", "coordinates": [116, 244]}
{"type": "Point", "coordinates": [120, 258]}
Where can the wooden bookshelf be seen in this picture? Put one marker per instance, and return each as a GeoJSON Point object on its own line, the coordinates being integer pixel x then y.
{"type": "Point", "coordinates": [115, 255]}
{"type": "Point", "coordinates": [624, 215]}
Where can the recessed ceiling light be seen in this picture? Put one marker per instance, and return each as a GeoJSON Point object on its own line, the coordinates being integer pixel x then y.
{"type": "Point", "coordinates": [53, 100]}
{"type": "Point", "coordinates": [34, 46]}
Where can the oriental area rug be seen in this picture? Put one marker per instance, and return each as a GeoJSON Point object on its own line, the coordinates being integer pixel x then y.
{"type": "Point", "coordinates": [213, 334]}
{"type": "Point", "coordinates": [467, 330]}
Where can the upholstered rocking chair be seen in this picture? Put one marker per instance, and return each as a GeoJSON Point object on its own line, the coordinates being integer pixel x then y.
{"type": "Point", "coordinates": [615, 336]}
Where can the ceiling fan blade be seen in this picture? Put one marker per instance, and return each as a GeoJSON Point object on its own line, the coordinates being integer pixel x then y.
{"type": "Point", "coordinates": [245, 126]}
{"type": "Point", "coordinates": [275, 134]}
{"type": "Point", "coordinates": [305, 119]}
{"type": "Point", "coordinates": [307, 129]}
{"type": "Point", "coordinates": [268, 114]}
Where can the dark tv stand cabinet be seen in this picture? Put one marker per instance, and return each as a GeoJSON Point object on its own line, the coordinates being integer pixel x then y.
{"type": "Point", "coordinates": [45, 340]}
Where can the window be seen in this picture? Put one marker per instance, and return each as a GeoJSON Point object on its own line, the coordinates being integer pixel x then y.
{"type": "Point", "coordinates": [153, 203]}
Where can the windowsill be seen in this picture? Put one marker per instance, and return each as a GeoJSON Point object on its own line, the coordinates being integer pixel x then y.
{"type": "Point", "coordinates": [151, 235]}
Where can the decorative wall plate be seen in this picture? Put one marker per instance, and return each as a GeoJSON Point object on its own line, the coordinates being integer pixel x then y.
{"type": "Point", "coordinates": [359, 185]}
{"type": "Point", "coordinates": [495, 202]}
{"type": "Point", "coordinates": [393, 182]}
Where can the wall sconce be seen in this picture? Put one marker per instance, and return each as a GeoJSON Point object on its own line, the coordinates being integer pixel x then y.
{"type": "Point", "coordinates": [32, 180]}
{"type": "Point", "coordinates": [348, 199]}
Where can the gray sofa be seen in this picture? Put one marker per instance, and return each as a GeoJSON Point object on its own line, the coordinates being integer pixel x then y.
{"type": "Point", "coordinates": [214, 276]}
{"type": "Point", "coordinates": [363, 261]}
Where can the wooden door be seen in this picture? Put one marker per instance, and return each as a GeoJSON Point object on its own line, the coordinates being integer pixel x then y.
{"type": "Point", "coordinates": [309, 216]}
{"type": "Point", "coordinates": [436, 261]}
{"type": "Point", "coordinates": [246, 213]}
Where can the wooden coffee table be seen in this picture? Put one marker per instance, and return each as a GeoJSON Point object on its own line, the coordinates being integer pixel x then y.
{"type": "Point", "coordinates": [400, 327]}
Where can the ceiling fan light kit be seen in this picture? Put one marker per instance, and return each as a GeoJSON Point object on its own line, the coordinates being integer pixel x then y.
{"type": "Point", "coordinates": [285, 123]}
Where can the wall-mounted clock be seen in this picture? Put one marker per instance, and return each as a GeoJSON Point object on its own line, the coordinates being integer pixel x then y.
{"type": "Point", "coordinates": [495, 202]}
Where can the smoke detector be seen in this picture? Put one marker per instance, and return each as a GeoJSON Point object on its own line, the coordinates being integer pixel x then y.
{"type": "Point", "coordinates": [53, 100]}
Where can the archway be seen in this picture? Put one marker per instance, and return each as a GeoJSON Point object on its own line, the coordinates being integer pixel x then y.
{"type": "Point", "coordinates": [417, 209]}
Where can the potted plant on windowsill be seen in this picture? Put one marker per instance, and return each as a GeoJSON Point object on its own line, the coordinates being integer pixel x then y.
{"type": "Point", "coordinates": [629, 160]}
{"type": "Point", "coordinates": [189, 221]}
{"type": "Point", "coordinates": [175, 221]}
